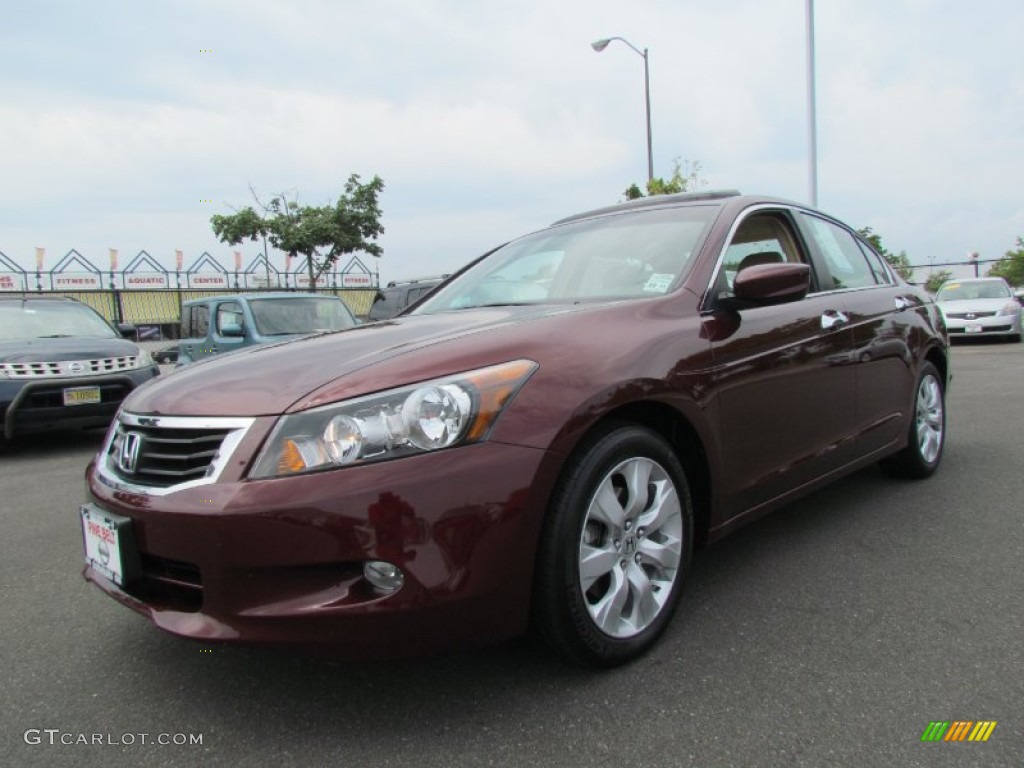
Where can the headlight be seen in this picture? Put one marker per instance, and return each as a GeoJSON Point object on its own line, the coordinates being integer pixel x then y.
{"type": "Point", "coordinates": [428, 416]}
{"type": "Point", "coordinates": [1010, 308]}
{"type": "Point", "coordinates": [143, 359]}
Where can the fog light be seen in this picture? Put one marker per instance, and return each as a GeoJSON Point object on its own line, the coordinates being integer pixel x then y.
{"type": "Point", "coordinates": [383, 575]}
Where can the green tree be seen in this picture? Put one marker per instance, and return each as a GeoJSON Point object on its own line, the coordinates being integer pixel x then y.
{"type": "Point", "coordinates": [936, 279]}
{"type": "Point", "coordinates": [322, 234]}
{"type": "Point", "coordinates": [1011, 266]}
{"type": "Point", "coordinates": [685, 178]}
{"type": "Point", "coordinates": [899, 261]}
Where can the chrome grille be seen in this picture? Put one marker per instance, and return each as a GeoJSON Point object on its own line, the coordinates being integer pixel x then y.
{"type": "Point", "coordinates": [969, 315]}
{"type": "Point", "coordinates": [67, 368]}
{"type": "Point", "coordinates": [154, 453]}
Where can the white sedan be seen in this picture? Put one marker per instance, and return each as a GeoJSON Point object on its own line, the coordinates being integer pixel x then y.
{"type": "Point", "coordinates": [983, 306]}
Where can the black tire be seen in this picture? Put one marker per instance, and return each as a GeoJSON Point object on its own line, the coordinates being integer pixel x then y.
{"type": "Point", "coordinates": [927, 433]}
{"type": "Point", "coordinates": [619, 614]}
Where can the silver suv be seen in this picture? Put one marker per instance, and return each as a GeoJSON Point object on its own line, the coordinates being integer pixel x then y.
{"type": "Point", "coordinates": [63, 366]}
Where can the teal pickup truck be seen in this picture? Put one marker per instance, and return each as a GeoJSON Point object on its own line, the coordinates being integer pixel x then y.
{"type": "Point", "coordinates": [219, 324]}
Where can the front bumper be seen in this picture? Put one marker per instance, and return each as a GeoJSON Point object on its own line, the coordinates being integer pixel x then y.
{"type": "Point", "coordinates": [37, 405]}
{"type": "Point", "coordinates": [995, 325]}
{"type": "Point", "coordinates": [280, 561]}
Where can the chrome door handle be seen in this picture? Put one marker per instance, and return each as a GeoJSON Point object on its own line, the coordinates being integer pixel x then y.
{"type": "Point", "coordinates": [832, 319]}
{"type": "Point", "coordinates": [902, 303]}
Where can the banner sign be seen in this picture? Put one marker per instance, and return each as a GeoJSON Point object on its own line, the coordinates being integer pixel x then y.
{"type": "Point", "coordinates": [212, 280]}
{"type": "Point", "coordinates": [357, 280]}
{"type": "Point", "coordinates": [75, 281]}
{"type": "Point", "coordinates": [143, 280]}
{"type": "Point", "coordinates": [12, 283]}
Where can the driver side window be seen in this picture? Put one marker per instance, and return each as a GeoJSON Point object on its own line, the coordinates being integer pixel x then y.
{"type": "Point", "coordinates": [228, 314]}
{"type": "Point", "coordinates": [763, 238]}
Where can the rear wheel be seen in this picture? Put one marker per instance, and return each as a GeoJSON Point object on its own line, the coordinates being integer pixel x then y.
{"type": "Point", "coordinates": [615, 548]}
{"type": "Point", "coordinates": [927, 435]}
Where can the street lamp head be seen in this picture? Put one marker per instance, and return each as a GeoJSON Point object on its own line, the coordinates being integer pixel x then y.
{"type": "Point", "coordinates": [600, 45]}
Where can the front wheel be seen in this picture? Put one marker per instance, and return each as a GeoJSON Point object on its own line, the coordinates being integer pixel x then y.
{"type": "Point", "coordinates": [615, 548]}
{"type": "Point", "coordinates": [927, 436]}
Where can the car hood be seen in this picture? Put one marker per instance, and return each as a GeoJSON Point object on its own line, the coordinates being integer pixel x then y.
{"type": "Point", "coordinates": [974, 305]}
{"type": "Point", "coordinates": [59, 349]}
{"type": "Point", "coordinates": [269, 379]}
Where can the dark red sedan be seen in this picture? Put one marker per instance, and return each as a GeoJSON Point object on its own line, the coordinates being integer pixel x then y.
{"type": "Point", "coordinates": [538, 446]}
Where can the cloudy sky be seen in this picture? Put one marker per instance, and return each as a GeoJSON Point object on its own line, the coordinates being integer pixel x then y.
{"type": "Point", "coordinates": [486, 120]}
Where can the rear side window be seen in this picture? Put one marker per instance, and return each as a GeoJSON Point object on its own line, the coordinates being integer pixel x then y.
{"type": "Point", "coordinates": [415, 294]}
{"type": "Point", "coordinates": [198, 322]}
{"type": "Point", "coordinates": [882, 275]}
{"type": "Point", "coordinates": [846, 261]}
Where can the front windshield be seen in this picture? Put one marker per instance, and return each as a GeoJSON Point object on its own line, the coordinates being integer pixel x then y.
{"type": "Point", "coordinates": [626, 255]}
{"type": "Point", "coordinates": [50, 319]}
{"type": "Point", "coordinates": [984, 289]}
{"type": "Point", "coordinates": [302, 314]}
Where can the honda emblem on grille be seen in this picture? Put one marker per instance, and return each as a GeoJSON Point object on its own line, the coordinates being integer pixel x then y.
{"type": "Point", "coordinates": [128, 456]}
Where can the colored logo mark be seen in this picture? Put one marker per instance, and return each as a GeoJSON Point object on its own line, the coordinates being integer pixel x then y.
{"type": "Point", "coordinates": [958, 730]}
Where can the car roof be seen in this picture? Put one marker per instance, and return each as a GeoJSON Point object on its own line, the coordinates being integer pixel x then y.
{"type": "Point", "coordinates": [31, 297]}
{"type": "Point", "coordinates": [974, 280]}
{"type": "Point", "coordinates": [656, 201]}
{"type": "Point", "coordinates": [416, 281]}
{"type": "Point", "coordinates": [268, 295]}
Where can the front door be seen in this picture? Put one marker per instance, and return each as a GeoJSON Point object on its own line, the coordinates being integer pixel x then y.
{"type": "Point", "coordinates": [785, 382]}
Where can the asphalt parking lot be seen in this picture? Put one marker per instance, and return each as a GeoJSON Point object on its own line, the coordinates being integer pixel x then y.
{"type": "Point", "coordinates": [830, 633]}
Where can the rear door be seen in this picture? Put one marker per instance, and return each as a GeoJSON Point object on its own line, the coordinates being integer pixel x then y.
{"type": "Point", "coordinates": [884, 314]}
{"type": "Point", "coordinates": [785, 389]}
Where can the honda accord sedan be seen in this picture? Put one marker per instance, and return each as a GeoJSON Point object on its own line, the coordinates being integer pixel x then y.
{"type": "Point", "coordinates": [536, 448]}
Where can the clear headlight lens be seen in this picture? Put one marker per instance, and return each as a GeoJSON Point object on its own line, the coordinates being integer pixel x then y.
{"type": "Point", "coordinates": [143, 359]}
{"type": "Point", "coordinates": [454, 410]}
{"type": "Point", "coordinates": [1010, 308]}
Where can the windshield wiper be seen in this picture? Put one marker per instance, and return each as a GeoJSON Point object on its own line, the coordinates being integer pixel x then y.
{"type": "Point", "coordinates": [498, 304]}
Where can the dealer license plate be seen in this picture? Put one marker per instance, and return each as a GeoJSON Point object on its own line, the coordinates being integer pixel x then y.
{"type": "Point", "coordinates": [972, 328]}
{"type": "Point", "coordinates": [109, 545]}
{"type": "Point", "coordinates": [81, 395]}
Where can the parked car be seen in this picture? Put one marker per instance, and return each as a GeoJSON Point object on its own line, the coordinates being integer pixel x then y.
{"type": "Point", "coordinates": [983, 306]}
{"type": "Point", "coordinates": [398, 296]}
{"type": "Point", "coordinates": [219, 324]}
{"type": "Point", "coordinates": [62, 366]}
{"type": "Point", "coordinates": [537, 446]}
{"type": "Point", "coordinates": [167, 355]}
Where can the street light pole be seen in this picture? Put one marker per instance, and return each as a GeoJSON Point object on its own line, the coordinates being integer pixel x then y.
{"type": "Point", "coordinates": [812, 130]}
{"type": "Point", "coordinates": [600, 45]}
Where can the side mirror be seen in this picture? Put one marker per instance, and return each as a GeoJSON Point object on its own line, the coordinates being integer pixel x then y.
{"type": "Point", "coordinates": [232, 329]}
{"type": "Point", "coordinates": [128, 331]}
{"type": "Point", "coordinates": [769, 284]}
